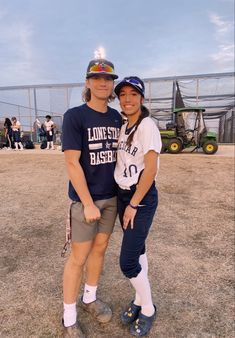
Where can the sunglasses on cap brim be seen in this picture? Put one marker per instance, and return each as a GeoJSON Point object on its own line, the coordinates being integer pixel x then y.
{"type": "Point", "coordinates": [101, 67]}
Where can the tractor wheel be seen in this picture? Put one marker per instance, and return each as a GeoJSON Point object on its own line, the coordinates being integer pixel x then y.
{"type": "Point", "coordinates": [174, 146]}
{"type": "Point", "coordinates": [210, 147]}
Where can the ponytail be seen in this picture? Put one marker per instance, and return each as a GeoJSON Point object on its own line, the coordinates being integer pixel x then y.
{"type": "Point", "coordinates": [144, 113]}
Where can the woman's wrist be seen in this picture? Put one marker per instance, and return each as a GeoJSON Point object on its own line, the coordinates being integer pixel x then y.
{"type": "Point", "coordinates": [133, 206]}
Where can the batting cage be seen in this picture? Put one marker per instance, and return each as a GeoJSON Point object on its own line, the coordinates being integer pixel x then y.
{"type": "Point", "coordinates": [212, 92]}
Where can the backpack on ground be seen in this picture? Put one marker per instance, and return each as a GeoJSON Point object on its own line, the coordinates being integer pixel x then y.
{"type": "Point", "coordinates": [43, 145]}
{"type": "Point", "coordinates": [28, 144]}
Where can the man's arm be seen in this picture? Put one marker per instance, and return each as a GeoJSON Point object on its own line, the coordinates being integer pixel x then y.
{"type": "Point", "coordinates": [78, 180]}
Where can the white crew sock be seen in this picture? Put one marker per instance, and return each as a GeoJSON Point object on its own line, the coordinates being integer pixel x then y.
{"type": "Point", "coordinates": [142, 287]}
{"type": "Point", "coordinates": [52, 145]}
{"type": "Point", "coordinates": [144, 265]}
{"type": "Point", "coordinates": [89, 294]}
{"type": "Point", "coordinates": [70, 314]}
{"type": "Point", "coordinates": [21, 146]}
{"type": "Point", "coordinates": [16, 146]}
{"type": "Point", "coordinates": [48, 145]}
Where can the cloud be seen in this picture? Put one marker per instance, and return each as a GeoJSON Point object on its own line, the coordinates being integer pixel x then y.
{"type": "Point", "coordinates": [224, 57]}
{"type": "Point", "coordinates": [230, 1]}
{"type": "Point", "coordinates": [222, 26]}
{"type": "Point", "coordinates": [16, 42]}
{"type": "Point", "coordinates": [18, 55]}
{"type": "Point", "coordinates": [225, 53]}
{"type": "Point", "coordinates": [3, 12]}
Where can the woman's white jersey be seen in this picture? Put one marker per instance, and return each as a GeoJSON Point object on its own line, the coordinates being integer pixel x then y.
{"type": "Point", "coordinates": [48, 125]}
{"type": "Point", "coordinates": [16, 126]}
{"type": "Point", "coordinates": [130, 159]}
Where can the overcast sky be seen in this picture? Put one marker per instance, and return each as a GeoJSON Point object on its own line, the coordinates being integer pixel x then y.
{"type": "Point", "coordinates": [52, 41]}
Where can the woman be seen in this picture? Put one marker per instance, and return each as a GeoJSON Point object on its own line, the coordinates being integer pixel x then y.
{"type": "Point", "coordinates": [49, 126]}
{"type": "Point", "coordinates": [8, 132]}
{"type": "Point", "coordinates": [16, 126]}
{"type": "Point", "coordinates": [139, 147]}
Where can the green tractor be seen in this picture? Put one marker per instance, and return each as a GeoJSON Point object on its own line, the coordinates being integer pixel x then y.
{"type": "Point", "coordinates": [188, 130]}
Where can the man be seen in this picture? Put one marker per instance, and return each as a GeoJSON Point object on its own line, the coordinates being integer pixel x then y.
{"type": "Point", "coordinates": [90, 133]}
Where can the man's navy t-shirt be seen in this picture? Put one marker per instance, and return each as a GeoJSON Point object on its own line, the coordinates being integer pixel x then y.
{"type": "Point", "coordinates": [96, 135]}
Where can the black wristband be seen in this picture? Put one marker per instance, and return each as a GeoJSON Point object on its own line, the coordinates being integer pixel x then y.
{"type": "Point", "coordinates": [133, 206]}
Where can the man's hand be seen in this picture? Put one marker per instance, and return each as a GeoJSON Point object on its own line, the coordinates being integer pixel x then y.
{"type": "Point", "coordinates": [91, 213]}
{"type": "Point", "coordinates": [128, 217]}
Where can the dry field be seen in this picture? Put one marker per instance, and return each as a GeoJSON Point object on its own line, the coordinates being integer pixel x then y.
{"type": "Point", "coordinates": [190, 249]}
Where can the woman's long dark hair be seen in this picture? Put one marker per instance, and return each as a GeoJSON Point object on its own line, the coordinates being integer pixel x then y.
{"type": "Point", "coordinates": [144, 113]}
{"type": "Point", "coordinates": [7, 122]}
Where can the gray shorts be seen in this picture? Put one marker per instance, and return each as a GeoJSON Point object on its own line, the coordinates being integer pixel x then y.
{"type": "Point", "coordinates": [81, 231]}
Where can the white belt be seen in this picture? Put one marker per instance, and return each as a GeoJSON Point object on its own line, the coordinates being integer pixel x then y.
{"type": "Point", "coordinates": [124, 188]}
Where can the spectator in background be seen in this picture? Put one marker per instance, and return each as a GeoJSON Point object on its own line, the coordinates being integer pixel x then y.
{"type": "Point", "coordinates": [42, 133]}
{"type": "Point", "coordinates": [8, 133]}
{"type": "Point", "coordinates": [16, 126]}
{"type": "Point", "coordinates": [36, 128]}
{"type": "Point", "coordinates": [49, 126]}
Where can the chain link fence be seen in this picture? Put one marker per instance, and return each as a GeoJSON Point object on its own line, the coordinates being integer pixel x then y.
{"type": "Point", "coordinates": [214, 92]}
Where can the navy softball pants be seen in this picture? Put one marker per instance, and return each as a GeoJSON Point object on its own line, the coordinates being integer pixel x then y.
{"type": "Point", "coordinates": [133, 243]}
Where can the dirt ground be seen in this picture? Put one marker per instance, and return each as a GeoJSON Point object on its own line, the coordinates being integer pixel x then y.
{"type": "Point", "coordinates": [190, 249]}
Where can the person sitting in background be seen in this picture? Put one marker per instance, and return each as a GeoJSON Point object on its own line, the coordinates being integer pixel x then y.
{"type": "Point", "coordinates": [49, 126]}
{"type": "Point", "coordinates": [16, 133]}
{"type": "Point", "coordinates": [8, 133]}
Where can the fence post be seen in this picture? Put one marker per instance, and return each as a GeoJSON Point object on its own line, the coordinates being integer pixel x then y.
{"type": "Point", "coordinates": [232, 136]}
{"type": "Point", "coordinates": [173, 100]}
{"type": "Point", "coordinates": [35, 102]}
{"type": "Point", "coordinates": [30, 115]}
{"type": "Point", "coordinates": [150, 98]}
{"type": "Point", "coordinates": [197, 92]}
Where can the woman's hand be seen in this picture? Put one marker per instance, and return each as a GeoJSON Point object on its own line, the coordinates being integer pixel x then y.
{"type": "Point", "coordinates": [128, 217]}
{"type": "Point", "coordinates": [91, 213]}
